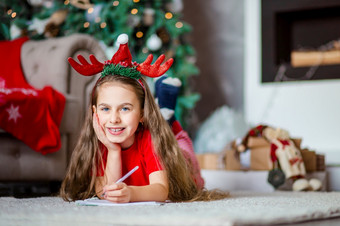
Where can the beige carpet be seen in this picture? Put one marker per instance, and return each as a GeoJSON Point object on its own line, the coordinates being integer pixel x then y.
{"type": "Point", "coordinates": [242, 208]}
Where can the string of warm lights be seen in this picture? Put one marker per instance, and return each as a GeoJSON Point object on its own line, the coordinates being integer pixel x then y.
{"type": "Point", "coordinates": [134, 11]}
{"type": "Point", "coordinates": [86, 5]}
{"type": "Point", "coordinates": [11, 13]}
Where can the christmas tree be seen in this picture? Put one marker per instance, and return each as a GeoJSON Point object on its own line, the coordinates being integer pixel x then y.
{"type": "Point", "coordinates": [154, 26]}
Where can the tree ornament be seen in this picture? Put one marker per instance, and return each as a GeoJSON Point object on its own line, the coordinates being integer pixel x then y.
{"type": "Point", "coordinates": [169, 53]}
{"type": "Point", "coordinates": [154, 43]}
{"type": "Point", "coordinates": [148, 16]}
{"type": "Point", "coordinates": [15, 31]}
{"type": "Point", "coordinates": [36, 3]}
{"type": "Point", "coordinates": [175, 6]}
{"type": "Point", "coordinates": [38, 25]}
{"type": "Point", "coordinates": [92, 14]}
{"type": "Point", "coordinates": [133, 20]}
{"type": "Point", "coordinates": [191, 59]}
{"type": "Point", "coordinates": [52, 28]}
{"type": "Point", "coordinates": [41, 3]}
{"type": "Point", "coordinates": [81, 4]}
{"type": "Point", "coordinates": [163, 34]}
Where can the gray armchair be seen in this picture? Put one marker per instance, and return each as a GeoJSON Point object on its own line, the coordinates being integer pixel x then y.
{"type": "Point", "coordinates": [44, 62]}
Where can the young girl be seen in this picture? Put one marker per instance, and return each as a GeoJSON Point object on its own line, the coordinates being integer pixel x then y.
{"type": "Point", "coordinates": [123, 129]}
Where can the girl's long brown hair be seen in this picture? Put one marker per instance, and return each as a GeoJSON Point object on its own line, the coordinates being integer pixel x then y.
{"type": "Point", "coordinates": [79, 182]}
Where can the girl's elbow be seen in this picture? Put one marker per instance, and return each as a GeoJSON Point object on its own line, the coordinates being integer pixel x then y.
{"type": "Point", "coordinates": [164, 194]}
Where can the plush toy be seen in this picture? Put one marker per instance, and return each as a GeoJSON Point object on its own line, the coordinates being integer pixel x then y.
{"type": "Point", "coordinates": [290, 160]}
{"type": "Point", "coordinates": [285, 156]}
{"type": "Point", "coordinates": [166, 93]}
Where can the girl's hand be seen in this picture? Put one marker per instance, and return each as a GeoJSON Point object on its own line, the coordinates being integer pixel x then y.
{"type": "Point", "coordinates": [102, 136]}
{"type": "Point", "coordinates": [119, 193]}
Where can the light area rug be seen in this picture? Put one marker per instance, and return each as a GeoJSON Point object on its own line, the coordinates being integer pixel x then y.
{"type": "Point", "coordinates": [242, 208]}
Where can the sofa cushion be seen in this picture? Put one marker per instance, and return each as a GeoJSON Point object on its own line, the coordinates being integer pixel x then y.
{"type": "Point", "coordinates": [20, 163]}
{"type": "Point", "coordinates": [72, 115]}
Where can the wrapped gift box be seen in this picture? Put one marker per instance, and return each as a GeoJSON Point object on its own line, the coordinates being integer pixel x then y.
{"type": "Point", "coordinates": [211, 161]}
{"type": "Point", "coordinates": [320, 162]}
{"type": "Point", "coordinates": [259, 154]}
{"type": "Point", "coordinates": [232, 160]}
{"type": "Point", "coordinates": [260, 158]}
{"type": "Point", "coordinates": [309, 159]}
{"type": "Point", "coordinates": [254, 142]}
{"type": "Point", "coordinates": [259, 149]}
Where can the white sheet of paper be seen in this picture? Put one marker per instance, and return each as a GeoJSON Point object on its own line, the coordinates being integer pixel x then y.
{"type": "Point", "coordinates": [99, 202]}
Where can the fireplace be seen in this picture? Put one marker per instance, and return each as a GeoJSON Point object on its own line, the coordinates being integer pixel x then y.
{"type": "Point", "coordinates": [300, 40]}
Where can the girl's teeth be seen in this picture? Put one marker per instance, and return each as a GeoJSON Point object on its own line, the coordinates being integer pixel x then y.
{"type": "Point", "coordinates": [116, 130]}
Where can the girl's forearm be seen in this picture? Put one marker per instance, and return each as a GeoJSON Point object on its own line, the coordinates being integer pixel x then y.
{"type": "Point", "coordinates": [112, 173]}
{"type": "Point", "coordinates": [113, 170]}
{"type": "Point", "coordinates": [153, 192]}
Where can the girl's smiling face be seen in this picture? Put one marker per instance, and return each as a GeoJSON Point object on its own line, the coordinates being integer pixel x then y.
{"type": "Point", "coordinates": [119, 112]}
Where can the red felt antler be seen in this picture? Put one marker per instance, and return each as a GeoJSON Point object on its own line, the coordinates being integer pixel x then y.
{"type": "Point", "coordinates": [84, 67]}
{"type": "Point", "coordinates": [122, 57]}
{"type": "Point", "coordinates": [156, 69]}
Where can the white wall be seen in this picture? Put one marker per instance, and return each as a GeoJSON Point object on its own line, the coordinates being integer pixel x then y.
{"type": "Point", "coordinates": [308, 109]}
{"type": "Point", "coordinates": [217, 37]}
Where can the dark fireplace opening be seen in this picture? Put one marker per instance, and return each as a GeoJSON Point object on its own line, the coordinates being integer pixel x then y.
{"type": "Point", "coordinates": [300, 37]}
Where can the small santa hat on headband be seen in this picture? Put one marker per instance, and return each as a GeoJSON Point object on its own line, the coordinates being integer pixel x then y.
{"type": "Point", "coordinates": [121, 63]}
{"type": "Point", "coordinates": [123, 54]}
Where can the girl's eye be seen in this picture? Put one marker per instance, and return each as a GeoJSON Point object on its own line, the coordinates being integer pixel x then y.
{"type": "Point", "coordinates": [105, 109]}
{"type": "Point", "coordinates": [125, 109]}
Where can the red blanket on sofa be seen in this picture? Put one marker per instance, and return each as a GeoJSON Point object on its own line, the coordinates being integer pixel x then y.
{"type": "Point", "coordinates": [31, 115]}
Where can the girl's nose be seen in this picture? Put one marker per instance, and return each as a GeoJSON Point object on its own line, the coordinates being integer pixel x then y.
{"type": "Point", "coordinates": [115, 118]}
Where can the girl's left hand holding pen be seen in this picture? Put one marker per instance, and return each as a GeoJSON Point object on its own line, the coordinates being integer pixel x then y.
{"type": "Point", "coordinates": [119, 193]}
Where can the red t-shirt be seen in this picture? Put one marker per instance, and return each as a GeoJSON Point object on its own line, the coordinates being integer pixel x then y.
{"type": "Point", "coordinates": [141, 154]}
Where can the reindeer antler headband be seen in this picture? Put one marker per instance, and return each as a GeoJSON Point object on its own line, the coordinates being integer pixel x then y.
{"type": "Point", "coordinates": [121, 64]}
